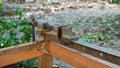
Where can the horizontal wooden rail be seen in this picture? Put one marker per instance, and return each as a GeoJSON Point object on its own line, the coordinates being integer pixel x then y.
{"type": "Point", "coordinates": [73, 57]}
{"type": "Point", "coordinates": [107, 54]}
{"type": "Point", "coordinates": [18, 53]}
{"type": "Point", "coordinates": [27, 51]}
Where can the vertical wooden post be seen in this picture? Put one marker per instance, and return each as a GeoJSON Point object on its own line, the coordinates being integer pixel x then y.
{"type": "Point", "coordinates": [45, 61]}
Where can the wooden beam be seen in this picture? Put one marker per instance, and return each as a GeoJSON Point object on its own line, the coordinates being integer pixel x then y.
{"type": "Point", "coordinates": [73, 57]}
{"type": "Point", "coordinates": [27, 51]}
{"type": "Point", "coordinates": [18, 53]}
{"type": "Point", "coordinates": [45, 61]}
{"type": "Point", "coordinates": [18, 48]}
{"type": "Point", "coordinates": [109, 55]}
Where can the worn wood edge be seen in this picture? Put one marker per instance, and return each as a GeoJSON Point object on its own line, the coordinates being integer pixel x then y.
{"type": "Point", "coordinates": [101, 60]}
{"type": "Point", "coordinates": [102, 49]}
{"type": "Point", "coordinates": [73, 57]}
{"type": "Point", "coordinates": [18, 48]}
{"type": "Point", "coordinates": [100, 52]}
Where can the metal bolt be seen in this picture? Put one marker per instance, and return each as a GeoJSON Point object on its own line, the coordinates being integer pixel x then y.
{"type": "Point", "coordinates": [41, 47]}
{"type": "Point", "coordinates": [45, 52]}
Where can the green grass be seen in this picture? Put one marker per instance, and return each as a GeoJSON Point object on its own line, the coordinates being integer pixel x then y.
{"type": "Point", "coordinates": [0, 5]}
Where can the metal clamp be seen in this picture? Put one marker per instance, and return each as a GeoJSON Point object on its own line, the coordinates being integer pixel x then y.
{"type": "Point", "coordinates": [33, 23]}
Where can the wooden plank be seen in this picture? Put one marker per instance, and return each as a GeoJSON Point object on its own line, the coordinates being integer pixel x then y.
{"type": "Point", "coordinates": [45, 61]}
{"type": "Point", "coordinates": [73, 57]}
{"type": "Point", "coordinates": [18, 48]}
{"type": "Point", "coordinates": [18, 53]}
{"type": "Point", "coordinates": [97, 51]}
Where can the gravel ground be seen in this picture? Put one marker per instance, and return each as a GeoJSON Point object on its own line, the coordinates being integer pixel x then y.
{"type": "Point", "coordinates": [85, 16]}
